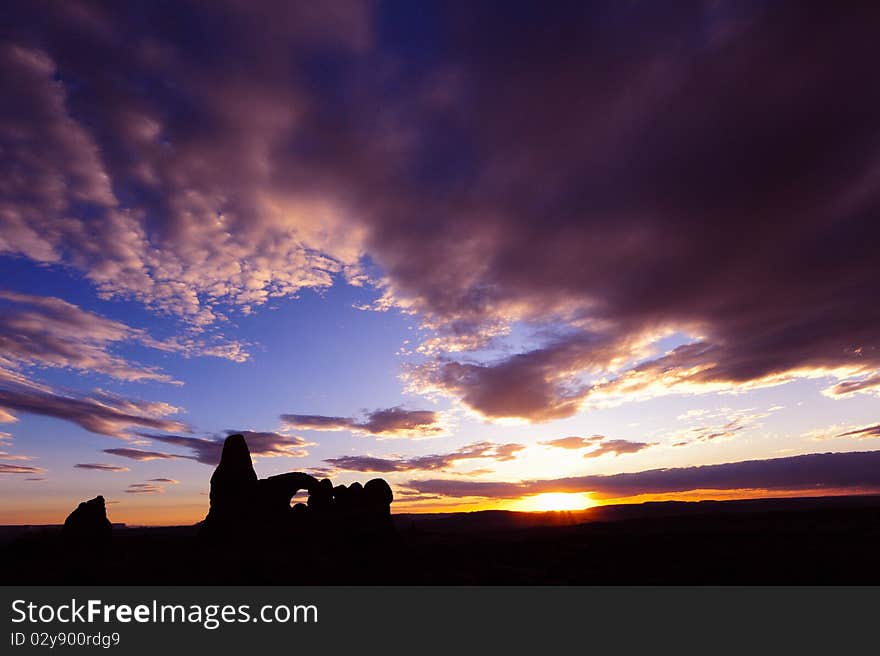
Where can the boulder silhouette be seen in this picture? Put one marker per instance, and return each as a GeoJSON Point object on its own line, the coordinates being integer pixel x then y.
{"type": "Point", "coordinates": [234, 492]}
{"type": "Point", "coordinates": [375, 508]}
{"type": "Point", "coordinates": [87, 526]}
{"type": "Point", "coordinates": [321, 497]}
{"type": "Point", "coordinates": [378, 496]}
{"type": "Point", "coordinates": [355, 494]}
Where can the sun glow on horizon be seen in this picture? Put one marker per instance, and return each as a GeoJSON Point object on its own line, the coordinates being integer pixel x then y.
{"type": "Point", "coordinates": [548, 501]}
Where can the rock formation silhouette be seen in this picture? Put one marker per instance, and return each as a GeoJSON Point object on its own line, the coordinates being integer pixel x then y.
{"type": "Point", "coordinates": [234, 490]}
{"type": "Point", "coordinates": [87, 526]}
{"type": "Point", "coordinates": [275, 493]}
{"type": "Point", "coordinates": [242, 505]}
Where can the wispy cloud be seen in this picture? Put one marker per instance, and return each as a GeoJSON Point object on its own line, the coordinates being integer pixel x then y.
{"type": "Point", "coordinates": [140, 454]}
{"type": "Point", "coordinates": [208, 450]}
{"type": "Point", "coordinates": [51, 332]}
{"type": "Point", "coordinates": [867, 385]}
{"type": "Point", "coordinates": [14, 457]}
{"type": "Point", "coordinates": [477, 451]}
{"type": "Point", "coordinates": [99, 412]}
{"type": "Point", "coordinates": [866, 431]}
{"type": "Point", "coordinates": [152, 486]}
{"type": "Point", "coordinates": [390, 422]}
{"type": "Point", "coordinates": [144, 488]}
{"type": "Point", "coordinates": [20, 469]}
{"type": "Point", "coordinates": [829, 471]}
{"type": "Point", "coordinates": [100, 467]}
{"type": "Point", "coordinates": [599, 445]}
{"type": "Point", "coordinates": [718, 424]}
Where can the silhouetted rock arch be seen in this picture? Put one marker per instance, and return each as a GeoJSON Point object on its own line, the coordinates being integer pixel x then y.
{"type": "Point", "coordinates": [240, 502]}
{"type": "Point", "coordinates": [276, 492]}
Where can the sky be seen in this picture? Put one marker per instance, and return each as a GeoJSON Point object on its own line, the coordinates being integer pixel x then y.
{"type": "Point", "coordinates": [509, 255]}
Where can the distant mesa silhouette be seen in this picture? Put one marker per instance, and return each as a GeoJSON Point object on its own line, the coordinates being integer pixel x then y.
{"type": "Point", "coordinates": [241, 503]}
{"type": "Point", "coordinates": [87, 526]}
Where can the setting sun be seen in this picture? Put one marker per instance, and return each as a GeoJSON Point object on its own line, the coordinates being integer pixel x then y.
{"type": "Point", "coordinates": [555, 501]}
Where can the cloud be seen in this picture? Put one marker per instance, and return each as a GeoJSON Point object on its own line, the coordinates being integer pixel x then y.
{"type": "Point", "coordinates": [719, 424]}
{"type": "Point", "coordinates": [404, 496]}
{"type": "Point", "coordinates": [20, 469]}
{"type": "Point", "coordinates": [869, 384]}
{"type": "Point", "coordinates": [208, 450]}
{"type": "Point", "coordinates": [830, 471]}
{"type": "Point", "coordinates": [867, 431]}
{"type": "Point", "coordinates": [152, 486]}
{"type": "Point", "coordinates": [541, 385]}
{"type": "Point", "coordinates": [574, 442]}
{"type": "Point", "coordinates": [593, 208]}
{"type": "Point", "coordinates": [688, 189]}
{"type": "Point", "coordinates": [144, 488]}
{"type": "Point", "coordinates": [50, 332]}
{"type": "Point", "coordinates": [100, 412]}
{"type": "Point", "coordinates": [602, 445]}
{"type": "Point", "coordinates": [710, 433]}
{"type": "Point", "coordinates": [182, 198]}
{"type": "Point", "coordinates": [617, 447]}
{"type": "Point", "coordinates": [100, 467]}
{"type": "Point", "coordinates": [479, 450]}
{"type": "Point", "coordinates": [140, 454]}
{"type": "Point", "coordinates": [390, 422]}
{"type": "Point", "coordinates": [9, 456]}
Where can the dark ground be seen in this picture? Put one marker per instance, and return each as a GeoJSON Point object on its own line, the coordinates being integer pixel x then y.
{"type": "Point", "coordinates": [830, 540]}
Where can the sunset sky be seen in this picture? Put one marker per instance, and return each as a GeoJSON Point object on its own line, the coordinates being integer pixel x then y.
{"type": "Point", "coordinates": [487, 251]}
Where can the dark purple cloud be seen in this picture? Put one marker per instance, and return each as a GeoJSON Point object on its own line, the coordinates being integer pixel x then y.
{"type": "Point", "coordinates": [169, 481]}
{"type": "Point", "coordinates": [99, 412]}
{"type": "Point", "coordinates": [208, 450]}
{"type": "Point", "coordinates": [867, 431]}
{"type": "Point", "coordinates": [404, 496]}
{"type": "Point", "coordinates": [479, 450]}
{"type": "Point", "coordinates": [20, 469]}
{"type": "Point", "coordinates": [683, 182]}
{"type": "Point", "coordinates": [390, 422]}
{"type": "Point", "coordinates": [100, 467]}
{"type": "Point", "coordinates": [144, 488]}
{"type": "Point", "coordinates": [599, 174]}
{"type": "Point", "coordinates": [140, 454]}
{"type": "Point", "coordinates": [819, 471]}
{"type": "Point", "coordinates": [52, 332]}
{"type": "Point", "coordinates": [869, 384]}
